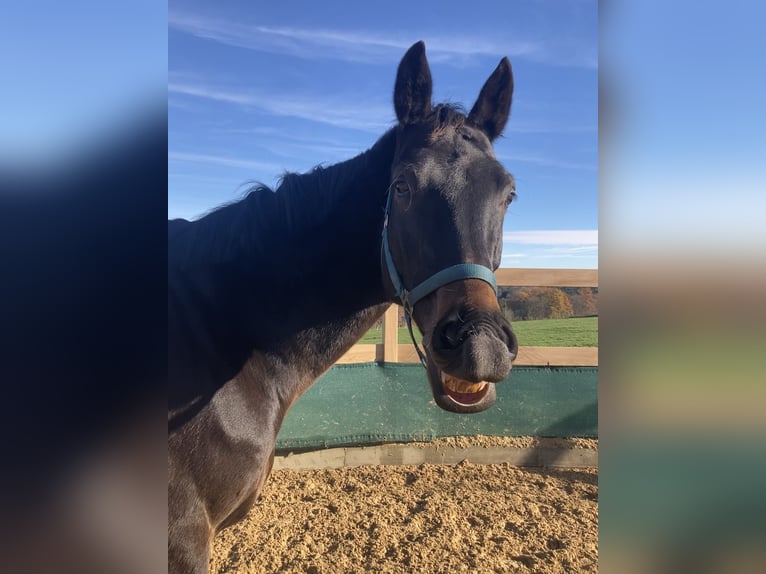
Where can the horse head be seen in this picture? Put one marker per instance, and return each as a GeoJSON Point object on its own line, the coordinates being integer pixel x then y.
{"type": "Point", "coordinates": [442, 241]}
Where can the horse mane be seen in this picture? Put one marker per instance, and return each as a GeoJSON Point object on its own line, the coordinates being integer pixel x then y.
{"type": "Point", "coordinates": [267, 220]}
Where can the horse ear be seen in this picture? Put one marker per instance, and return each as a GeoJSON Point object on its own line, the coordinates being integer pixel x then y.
{"type": "Point", "coordinates": [491, 110]}
{"type": "Point", "coordinates": [412, 93]}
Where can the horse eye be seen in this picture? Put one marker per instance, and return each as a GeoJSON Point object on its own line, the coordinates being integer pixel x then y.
{"type": "Point", "coordinates": [401, 187]}
{"type": "Point", "coordinates": [509, 198]}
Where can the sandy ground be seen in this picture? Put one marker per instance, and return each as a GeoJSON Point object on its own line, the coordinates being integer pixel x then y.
{"type": "Point", "coordinates": [511, 441]}
{"type": "Point", "coordinates": [421, 519]}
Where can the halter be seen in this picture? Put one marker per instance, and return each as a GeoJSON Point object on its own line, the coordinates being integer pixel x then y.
{"type": "Point", "coordinates": [408, 298]}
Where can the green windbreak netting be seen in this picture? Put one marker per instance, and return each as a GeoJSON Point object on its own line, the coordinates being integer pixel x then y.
{"type": "Point", "coordinates": [373, 403]}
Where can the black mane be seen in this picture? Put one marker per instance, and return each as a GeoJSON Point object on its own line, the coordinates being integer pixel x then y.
{"type": "Point", "coordinates": [265, 220]}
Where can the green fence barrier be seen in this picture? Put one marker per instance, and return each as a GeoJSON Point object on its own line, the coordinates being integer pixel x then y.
{"type": "Point", "coordinates": [372, 403]}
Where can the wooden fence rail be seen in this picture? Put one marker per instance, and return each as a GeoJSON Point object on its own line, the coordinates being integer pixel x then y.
{"type": "Point", "coordinates": [391, 351]}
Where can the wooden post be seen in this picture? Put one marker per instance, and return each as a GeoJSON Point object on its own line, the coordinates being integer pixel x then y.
{"type": "Point", "coordinates": [391, 335]}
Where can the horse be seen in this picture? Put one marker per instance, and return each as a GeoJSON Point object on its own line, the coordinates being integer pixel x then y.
{"type": "Point", "coordinates": [266, 293]}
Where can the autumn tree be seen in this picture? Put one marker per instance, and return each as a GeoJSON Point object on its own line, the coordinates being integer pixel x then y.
{"type": "Point", "coordinates": [518, 303]}
{"type": "Point", "coordinates": [538, 303]}
{"type": "Point", "coordinates": [584, 302]}
{"type": "Point", "coordinates": [556, 304]}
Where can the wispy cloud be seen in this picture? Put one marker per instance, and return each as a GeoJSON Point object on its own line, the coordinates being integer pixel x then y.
{"type": "Point", "coordinates": [546, 161]}
{"type": "Point", "coordinates": [552, 254]}
{"type": "Point", "coordinates": [181, 105]}
{"type": "Point", "coordinates": [579, 238]}
{"type": "Point", "coordinates": [295, 144]}
{"type": "Point", "coordinates": [530, 128]}
{"type": "Point", "coordinates": [212, 94]}
{"type": "Point", "coordinates": [361, 115]}
{"type": "Point", "coordinates": [585, 251]}
{"type": "Point", "coordinates": [551, 248]}
{"type": "Point", "coordinates": [222, 160]}
{"type": "Point", "coordinates": [367, 46]}
{"type": "Point", "coordinates": [515, 255]}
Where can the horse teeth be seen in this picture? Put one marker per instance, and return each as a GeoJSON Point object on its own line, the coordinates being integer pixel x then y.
{"type": "Point", "coordinates": [460, 386]}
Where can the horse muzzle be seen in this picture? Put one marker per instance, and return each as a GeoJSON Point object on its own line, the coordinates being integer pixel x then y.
{"type": "Point", "coordinates": [470, 348]}
{"type": "Point", "coordinates": [474, 345]}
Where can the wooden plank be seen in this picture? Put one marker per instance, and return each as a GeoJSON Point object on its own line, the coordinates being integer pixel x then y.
{"type": "Point", "coordinates": [408, 354]}
{"type": "Point", "coordinates": [326, 458]}
{"type": "Point", "coordinates": [529, 356]}
{"type": "Point", "coordinates": [391, 334]}
{"type": "Point", "coordinates": [558, 356]}
{"type": "Point", "coordinates": [405, 454]}
{"type": "Point", "coordinates": [366, 353]}
{"type": "Point", "coordinates": [547, 277]}
{"type": "Point", "coordinates": [532, 356]}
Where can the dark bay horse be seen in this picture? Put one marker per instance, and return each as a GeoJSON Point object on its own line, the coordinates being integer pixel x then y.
{"type": "Point", "coordinates": [267, 293]}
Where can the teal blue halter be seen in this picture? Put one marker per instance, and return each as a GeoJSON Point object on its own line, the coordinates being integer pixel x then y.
{"type": "Point", "coordinates": [408, 298]}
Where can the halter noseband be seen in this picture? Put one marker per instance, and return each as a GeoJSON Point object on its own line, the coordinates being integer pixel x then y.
{"type": "Point", "coordinates": [408, 298]}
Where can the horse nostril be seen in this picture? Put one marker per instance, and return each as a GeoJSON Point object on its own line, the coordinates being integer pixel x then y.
{"type": "Point", "coordinates": [451, 337]}
{"type": "Point", "coordinates": [455, 330]}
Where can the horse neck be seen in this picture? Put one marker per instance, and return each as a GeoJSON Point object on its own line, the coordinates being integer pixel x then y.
{"type": "Point", "coordinates": [336, 291]}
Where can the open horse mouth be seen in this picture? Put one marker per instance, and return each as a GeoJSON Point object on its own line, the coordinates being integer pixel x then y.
{"type": "Point", "coordinates": [457, 395]}
{"type": "Point", "coordinates": [465, 355]}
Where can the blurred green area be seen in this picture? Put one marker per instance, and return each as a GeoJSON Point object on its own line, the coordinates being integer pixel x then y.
{"type": "Point", "coordinates": [702, 376]}
{"type": "Point", "coordinates": [682, 417]}
{"type": "Point", "coordinates": [682, 503]}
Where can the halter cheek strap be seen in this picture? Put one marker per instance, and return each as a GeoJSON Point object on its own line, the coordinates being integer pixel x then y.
{"type": "Point", "coordinates": [408, 298]}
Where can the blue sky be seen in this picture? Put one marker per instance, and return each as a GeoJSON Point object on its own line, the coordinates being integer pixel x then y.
{"type": "Point", "coordinates": [255, 89]}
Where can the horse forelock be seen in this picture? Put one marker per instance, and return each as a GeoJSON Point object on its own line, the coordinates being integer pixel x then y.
{"type": "Point", "coordinates": [443, 116]}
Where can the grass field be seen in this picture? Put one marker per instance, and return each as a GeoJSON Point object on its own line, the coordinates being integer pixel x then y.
{"type": "Point", "coordinates": [574, 332]}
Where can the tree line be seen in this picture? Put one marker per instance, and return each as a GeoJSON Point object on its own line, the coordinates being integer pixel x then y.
{"type": "Point", "coordinates": [525, 303]}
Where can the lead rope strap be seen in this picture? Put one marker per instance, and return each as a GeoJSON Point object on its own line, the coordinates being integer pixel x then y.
{"type": "Point", "coordinates": [401, 292]}
{"type": "Point", "coordinates": [408, 320]}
